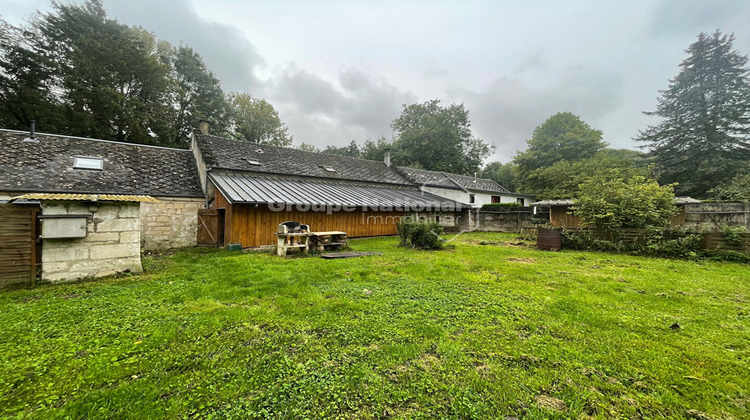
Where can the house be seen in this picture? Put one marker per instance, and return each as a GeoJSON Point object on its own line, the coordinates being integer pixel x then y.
{"type": "Point", "coordinates": [468, 190]}
{"type": "Point", "coordinates": [251, 188]}
{"type": "Point", "coordinates": [93, 204]}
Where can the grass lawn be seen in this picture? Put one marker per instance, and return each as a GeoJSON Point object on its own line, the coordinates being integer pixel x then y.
{"type": "Point", "coordinates": [486, 330]}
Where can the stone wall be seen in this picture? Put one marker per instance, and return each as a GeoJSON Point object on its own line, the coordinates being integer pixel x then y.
{"type": "Point", "coordinates": [112, 243]}
{"type": "Point", "coordinates": [506, 220]}
{"type": "Point", "coordinates": [170, 223]}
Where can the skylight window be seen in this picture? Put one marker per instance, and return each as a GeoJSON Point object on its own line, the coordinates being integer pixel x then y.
{"type": "Point", "coordinates": [96, 164]}
{"type": "Point", "coordinates": [329, 168]}
{"type": "Point", "coordinates": [252, 161]}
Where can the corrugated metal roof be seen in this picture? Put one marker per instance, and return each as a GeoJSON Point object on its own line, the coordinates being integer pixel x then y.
{"type": "Point", "coordinates": [88, 197]}
{"type": "Point", "coordinates": [245, 188]}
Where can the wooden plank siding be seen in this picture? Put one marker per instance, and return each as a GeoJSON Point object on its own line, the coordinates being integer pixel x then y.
{"type": "Point", "coordinates": [18, 248]}
{"type": "Point", "coordinates": [252, 225]}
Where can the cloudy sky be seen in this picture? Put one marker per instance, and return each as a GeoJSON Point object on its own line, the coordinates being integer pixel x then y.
{"type": "Point", "coordinates": [340, 70]}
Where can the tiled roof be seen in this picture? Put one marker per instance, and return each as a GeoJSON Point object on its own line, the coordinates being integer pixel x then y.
{"type": "Point", "coordinates": [239, 155]}
{"type": "Point", "coordinates": [258, 189]}
{"type": "Point", "coordinates": [453, 181]}
{"type": "Point", "coordinates": [87, 197]}
{"type": "Point", "coordinates": [129, 169]}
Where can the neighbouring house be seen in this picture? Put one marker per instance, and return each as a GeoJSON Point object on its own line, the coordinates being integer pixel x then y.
{"type": "Point", "coordinates": [251, 188]}
{"type": "Point", "coordinates": [471, 191]}
{"type": "Point", "coordinates": [78, 207]}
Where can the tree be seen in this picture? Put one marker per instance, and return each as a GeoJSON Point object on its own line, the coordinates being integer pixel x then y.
{"type": "Point", "coordinates": [257, 121]}
{"type": "Point", "coordinates": [616, 203]}
{"type": "Point", "coordinates": [374, 149]}
{"type": "Point", "coordinates": [195, 94]}
{"type": "Point", "coordinates": [110, 77]}
{"type": "Point", "coordinates": [738, 189]}
{"type": "Point", "coordinates": [503, 174]}
{"type": "Point", "coordinates": [352, 150]}
{"type": "Point", "coordinates": [703, 139]}
{"type": "Point", "coordinates": [306, 147]}
{"type": "Point", "coordinates": [563, 178]}
{"type": "Point", "coordinates": [563, 136]}
{"type": "Point", "coordinates": [438, 138]}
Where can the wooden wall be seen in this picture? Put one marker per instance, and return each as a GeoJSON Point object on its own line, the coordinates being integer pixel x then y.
{"type": "Point", "coordinates": [18, 247]}
{"type": "Point", "coordinates": [255, 226]}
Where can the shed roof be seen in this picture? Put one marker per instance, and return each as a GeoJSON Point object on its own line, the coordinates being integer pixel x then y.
{"type": "Point", "coordinates": [452, 181]}
{"type": "Point", "coordinates": [223, 153]}
{"type": "Point", "coordinates": [128, 169]}
{"type": "Point", "coordinates": [86, 197]}
{"type": "Point", "coordinates": [251, 188]}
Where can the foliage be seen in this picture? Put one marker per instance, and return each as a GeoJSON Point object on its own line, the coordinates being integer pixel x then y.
{"type": "Point", "coordinates": [733, 235]}
{"type": "Point", "coordinates": [78, 72]}
{"type": "Point", "coordinates": [352, 150]}
{"type": "Point", "coordinates": [563, 136]}
{"type": "Point", "coordinates": [256, 121]}
{"type": "Point", "coordinates": [480, 332]}
{"type": "Point", "coordinates": [439, 138]}
{"type": "Point", "coordinates": [563, 179]}
{"type": "Point", "coordinates": [503, 174]}
{"type": "Point", "coordinates": [703, 139]}
{"type": "Point", "coordinates": [736, 189]}
{"type": "Point", "coordinates": [195, 94]}
{"type": "Point", "coordinates": [414, 233]}
{"type": "Point", "coordinates": [490, 206]}
{"type": "Point", "coordinates": [617, 203]}
{"type": "Point", "coordinates": [658, 242]}
{"type": "Point", "coordinates": [308, 147]}
{"type": "Point", "coordinates": [374, 149]}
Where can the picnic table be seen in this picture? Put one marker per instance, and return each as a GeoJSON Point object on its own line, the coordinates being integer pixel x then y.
{"type": "Point", "coordinates": [330, 239]}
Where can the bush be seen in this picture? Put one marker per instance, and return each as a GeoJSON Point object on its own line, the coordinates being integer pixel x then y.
{"type": "Point", "coordinates": [422, 235]}
{"type": "Point", "coordinates": [619, 203]}
{"type": "Point", "coordinates": [494, 206]}
{"type": "Point", "coordinates": [668, 243]}
{"type": "Point", "coordinates": [733, 235]}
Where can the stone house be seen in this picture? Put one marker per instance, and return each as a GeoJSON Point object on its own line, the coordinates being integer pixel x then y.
{"type": "Point", "coordinates": [77, 207]}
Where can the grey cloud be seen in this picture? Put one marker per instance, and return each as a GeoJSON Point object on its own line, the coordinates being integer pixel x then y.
{"type": "Point", "coordinates": [679, 17]}
{"type": "Point", "coordinates": [507, 112]}
{"type": "Point", "coordinates": [226, 51]}
{"type": "Point", "coordinates": [321, 112]}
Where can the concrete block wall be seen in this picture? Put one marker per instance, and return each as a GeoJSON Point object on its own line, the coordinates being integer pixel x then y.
{"type": "Point", "coordinates": [170, 223]}
{"type": "Point", "coordinates": [112, 243]}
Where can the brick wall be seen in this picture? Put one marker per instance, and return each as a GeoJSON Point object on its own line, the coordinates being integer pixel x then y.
{"type": "Point", "coordinates": [170, 223]}
{"type": "Point", "coordinates": [112, 243]}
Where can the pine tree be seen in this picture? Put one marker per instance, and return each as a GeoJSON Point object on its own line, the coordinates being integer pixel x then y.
{"type": "Point", "coordinates": [703, 139]}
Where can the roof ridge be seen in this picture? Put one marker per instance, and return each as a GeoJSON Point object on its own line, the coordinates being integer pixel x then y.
{"type": "Point", "coordinates": [93, 139]}
{"type": "Point", "coordinates": [290, 148]}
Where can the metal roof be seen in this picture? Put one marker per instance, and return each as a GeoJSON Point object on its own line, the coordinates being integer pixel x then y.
{"type": "Point", "coordinates": [452, 181]}
{"type": "Point", "coordinates": [88, 197]}
{"type": "Point", "coordinates": [246, 188]}
{"type": "Point", "coordinates": [566, 202]}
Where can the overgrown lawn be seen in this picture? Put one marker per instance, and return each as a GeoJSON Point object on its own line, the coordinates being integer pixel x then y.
{"type": "Point", "coordinates": [489, 329]}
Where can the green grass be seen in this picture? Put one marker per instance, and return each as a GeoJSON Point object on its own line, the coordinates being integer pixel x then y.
{"type": "Point", "coordinates": [479, 331]}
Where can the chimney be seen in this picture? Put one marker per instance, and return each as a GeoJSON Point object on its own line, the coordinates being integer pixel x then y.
{"type": "Point", "coordinates": [387, 157]}
{"type": "Point", "coordinates": [204, 126]}
{"type": "Point", "coordinates": [32, 133]}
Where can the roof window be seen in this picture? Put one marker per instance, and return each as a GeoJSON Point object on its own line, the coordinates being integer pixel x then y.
{"type": "Point", "coordinates": [96, 164]}
{"type": "Point", "coordinates": [328, 168]}
{"type": "Point", "coordinates": [252, 161]}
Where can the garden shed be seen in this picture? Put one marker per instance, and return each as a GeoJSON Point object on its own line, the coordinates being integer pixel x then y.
{"type": "Point", "coordinates": [87, 207]}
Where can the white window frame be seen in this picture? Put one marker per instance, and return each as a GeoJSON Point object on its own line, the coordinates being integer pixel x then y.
{"type": "Point", "coordinates": [89, 163]}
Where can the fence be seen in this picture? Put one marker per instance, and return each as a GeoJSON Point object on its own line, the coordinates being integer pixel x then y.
{"type": "Point", "coordinates": [512, 219]}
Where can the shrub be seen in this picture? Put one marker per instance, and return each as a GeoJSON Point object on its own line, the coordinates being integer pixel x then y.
{"type": "Point", "coordinates": [668, 243]}
{"type": "Point", "coordinates": [733, 235]}
{"type": "Point", "coordinates": [419, 234]}
{"type": "Point", "coordinates": [625, 203]}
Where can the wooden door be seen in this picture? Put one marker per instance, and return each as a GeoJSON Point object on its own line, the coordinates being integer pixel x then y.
{"type": "Point", "coordinates": [18, 245]}
{"type": "Point", "coordinates": [210, 228]}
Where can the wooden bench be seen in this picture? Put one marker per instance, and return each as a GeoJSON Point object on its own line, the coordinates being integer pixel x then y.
{"type": "Point", "coordinates": [330, 239]}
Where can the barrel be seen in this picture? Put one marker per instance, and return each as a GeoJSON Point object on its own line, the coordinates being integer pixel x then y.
{"type": "Point", "coordinates": [548, 239]}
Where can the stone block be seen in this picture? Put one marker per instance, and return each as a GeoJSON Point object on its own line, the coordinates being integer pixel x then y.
{"type": "Point", "coordinates": [117, 225]}
{"type": "Point", "coordinates": [129, 211]}
{"type": "Point", "coordinates": [103, 236]}
{"type": "Point", "coordinates": [70, 253]}
{"type": "Point", "coordinates": [130, 237]}
{"type": "Point", "coordinates": [106, 252]}
{"type": "Point", "coordinates": [55, 267]}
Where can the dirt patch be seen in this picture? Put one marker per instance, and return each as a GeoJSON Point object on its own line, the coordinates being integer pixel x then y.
{"type": "Point", "coordinates": [522, 260]}
{"type": "Point", "coordinates": [550, 403]}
